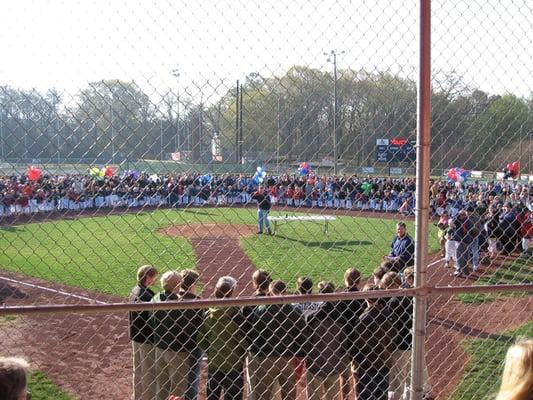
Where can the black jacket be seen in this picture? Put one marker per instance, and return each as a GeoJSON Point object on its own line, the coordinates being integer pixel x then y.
{"type": "Point", "coordinates": [327, 345]}
{"type": "Point", "coordinates": [263, 201]}
{"type": "Point", "coordinates": [176, 330]}
{"type": "Point", "coordinates": [374, 341]}
{"type": "Point", "coordinates": [278, 330]}
{"type": "Point", "coordinates": [400, 314]}
{"type": "Point", "coordinates": [139, 322]}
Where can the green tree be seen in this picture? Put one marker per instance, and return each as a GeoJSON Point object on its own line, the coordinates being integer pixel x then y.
{"type": "Point", "coordinates": [115, 120]}
{"type": "Point", "coordinates": [501, 125]}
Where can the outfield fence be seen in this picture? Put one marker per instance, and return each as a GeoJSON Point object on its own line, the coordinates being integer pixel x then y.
{"type": "Point", "coordinates": [138, 189]}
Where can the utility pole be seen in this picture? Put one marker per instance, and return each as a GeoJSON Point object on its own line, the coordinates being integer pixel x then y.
{"type": "Point", "coordinates": [278, 134]}
{"type": "Point", "coordinates": [177, 144]}
{"type": "Point", "coordinates": [237, 161]}
{"type": "Point", "coordinates": [332, 57]}
{"type": "Point", "coordinates": [240, 126]}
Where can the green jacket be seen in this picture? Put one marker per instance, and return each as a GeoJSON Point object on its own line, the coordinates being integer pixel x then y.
{"type": "Point", "coordinates": [222, 340]}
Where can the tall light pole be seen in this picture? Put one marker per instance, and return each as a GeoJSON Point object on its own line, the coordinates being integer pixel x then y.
{"type": "Point", "coordinates": [278, 134]}
{"type": "Point", "coordinates": [2, 154]}
{"type": "Point", "coordinates": [332, 57]}
{"type": "Point", "coordinates": [176, 74]}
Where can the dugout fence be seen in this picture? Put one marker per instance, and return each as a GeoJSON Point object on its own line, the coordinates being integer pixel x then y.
{"type": "Point", "coordinates": [159, 155]}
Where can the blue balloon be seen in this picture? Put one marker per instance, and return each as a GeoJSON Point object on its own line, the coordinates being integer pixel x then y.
{"type": "Point", "coordinates": [206, 179]}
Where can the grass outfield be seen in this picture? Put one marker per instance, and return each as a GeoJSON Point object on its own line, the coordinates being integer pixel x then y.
{"type": "Point", "coordinates": [484, 370]}
{"type": "Point", "coordinates": [103, 253]}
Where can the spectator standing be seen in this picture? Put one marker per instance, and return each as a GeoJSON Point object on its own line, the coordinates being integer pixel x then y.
{"type": "Point", "coordinates": [508, 228]}
{"type": "Point", "coordinates": [304, 286]}
{"type": "Point", "coordinates": [172, 359]}
{"type": "Point", "coordinates": [277, 337]}
{"type": "Point", "coordinates": [350, 311]}
{"type": "Point", "coordinates": [475, 232]}
{"type": "Point", "coordinates": [189, 280]}
{"type": "Point", "coordinates": [442, 227]}
{"type": "Point", "coordinates": [261, 282]}
{"type": "Point", "coordinates": [372, 348]}
{"type": "Point", "coordinates": [326, 350]}
{"type": "Point", "coordinates": [141, 336]}
{"type": "Point", "coordinates": [526, 231]}
{"type": "Point", "coordinates": [462, 234]}
{"type": "Point", "coordinates": [491, 230]}
{"type": "Point", "coordinates": [225, 346]}
{"type": "Point", "coordinates": [400, 315]}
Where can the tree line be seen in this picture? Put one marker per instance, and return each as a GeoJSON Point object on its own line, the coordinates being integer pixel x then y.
{"type": "Point", "coordinates": [285, 118]}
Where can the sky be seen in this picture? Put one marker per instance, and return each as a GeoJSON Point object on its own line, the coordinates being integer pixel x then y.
{"type": "Point", "coordinates": [212, 43]}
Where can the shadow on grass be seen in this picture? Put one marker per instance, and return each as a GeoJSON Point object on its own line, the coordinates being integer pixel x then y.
{"type": "Point", "coordinates": [194, 211]}
{"type": "Point", "coordinates": [10, 228]}
{"type": "Point", "coordinates": [469, 330]}
{"type": "Point", "coordinates": [517, 271]}
{"type": "Point", "coordinates": [340, 245]}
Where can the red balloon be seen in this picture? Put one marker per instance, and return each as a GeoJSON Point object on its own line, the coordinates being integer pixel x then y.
{"type": "Point", "coordinates": [34, 173]}
{"type": "Point", "coordinates": [108, 171]}
{"type": "Point", "coordinates": [452, 174]}
{"type": "Point", "coordinates": [514, 169]}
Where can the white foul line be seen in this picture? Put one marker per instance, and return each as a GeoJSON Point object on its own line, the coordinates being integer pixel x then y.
{"type": "Point", "coordinates": [52, 290]}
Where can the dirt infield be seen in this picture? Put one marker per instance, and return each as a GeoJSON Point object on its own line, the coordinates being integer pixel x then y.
{"type": "Point", "coordinates": [89, 356]}
{"type": "Point", "coordinates": [218, 252]}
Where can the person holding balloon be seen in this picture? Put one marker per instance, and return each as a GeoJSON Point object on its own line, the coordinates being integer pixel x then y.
{"type": "Point", "coordinates": [263, 208]}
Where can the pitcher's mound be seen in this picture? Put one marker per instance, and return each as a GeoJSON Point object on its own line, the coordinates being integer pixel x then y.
{"type": "Point", "coordinates": [209, 231]}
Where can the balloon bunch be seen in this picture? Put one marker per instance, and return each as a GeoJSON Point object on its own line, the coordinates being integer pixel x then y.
{"type": "Point", "coordinates": [458, 175]}
{"type": "Point", "coordinates": [131, 174]}
{"type": "Point", "coordinates": [259, 176]}
{"type": "Point", "coordinates": [367, 187]}
{"type": "Point", "coordinates": [512, 170]}
{"type": "Point", "coordinates": [206, 179]}
{"type": "Point", "coordinates": [33, 173]}
{"type": "Point", "coordinates": [96, 172]}
{"type": "Point", "coordinates": [304, 169]}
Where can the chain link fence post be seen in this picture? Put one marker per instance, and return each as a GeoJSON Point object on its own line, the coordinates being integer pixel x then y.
{"type": "Point", "coordinates": [422, 200]}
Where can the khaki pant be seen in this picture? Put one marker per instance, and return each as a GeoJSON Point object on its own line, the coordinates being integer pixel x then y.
{"type": "Point", "coordinates": [144, 385]}
{"type": "Point", "coordinates": [323, 387]}
{"type": "Point", "coordinates": [400, 373]}
{"type": "Point", "coordinates": [172, 369]}
{"type": "Point", "coordinates": [265, 372]}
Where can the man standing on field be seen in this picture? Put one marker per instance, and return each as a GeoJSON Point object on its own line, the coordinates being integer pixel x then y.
{"type": "Point", "coordinates": [263, 208]}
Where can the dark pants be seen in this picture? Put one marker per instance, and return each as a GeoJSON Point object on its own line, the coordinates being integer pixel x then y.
{"type": "Point", "coordinates": [193, 378]}
{"type": "Point", "coordinates": [464, 257]}
{"type": "Point", "coordinates": [232, 382]}
{"type": "Point", "coordinates": [372, 383]}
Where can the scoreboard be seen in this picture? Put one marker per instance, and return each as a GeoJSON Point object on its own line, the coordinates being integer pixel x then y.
{"type": "Point", "coordinates": [397, 150]}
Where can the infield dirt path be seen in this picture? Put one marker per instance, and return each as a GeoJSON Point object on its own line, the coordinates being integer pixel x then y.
{"type": "Point", "coordinates": [88, 355]}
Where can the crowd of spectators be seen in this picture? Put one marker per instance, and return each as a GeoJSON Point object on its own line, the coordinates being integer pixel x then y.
{"type": "Point", "coordinates": [19, 195]}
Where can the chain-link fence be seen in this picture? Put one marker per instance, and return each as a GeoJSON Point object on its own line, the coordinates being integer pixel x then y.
{"type": "Point", "coordinates": [250, 170]}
